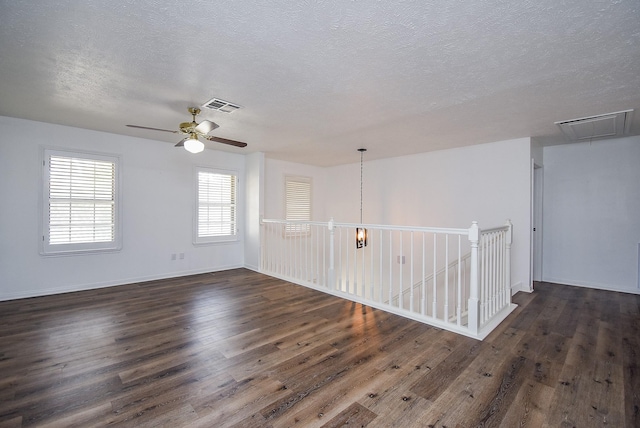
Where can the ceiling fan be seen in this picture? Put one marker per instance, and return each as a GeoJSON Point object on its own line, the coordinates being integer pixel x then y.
{"type": "Point", "coordinates": [193, 130]}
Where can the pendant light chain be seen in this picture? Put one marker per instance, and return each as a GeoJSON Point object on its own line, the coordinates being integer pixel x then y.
{"type": "Point", "coordinates": [361, 155]}
{"type": "Point", "coordinates": [361, 169]}
{"type": "Point", "coordinates": [361, 232]}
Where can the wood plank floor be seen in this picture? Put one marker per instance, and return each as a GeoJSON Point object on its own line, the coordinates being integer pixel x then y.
{"type": "Point", "coordinates": [237, 348]}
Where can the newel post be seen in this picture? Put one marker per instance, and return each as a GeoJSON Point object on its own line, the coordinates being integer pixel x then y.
{"type": "Point", "coordinates": [507, 274]}
{"type": "Point", "coordinates": [474, 301]}
{"type": "Point", "coordinates": [331, 273]}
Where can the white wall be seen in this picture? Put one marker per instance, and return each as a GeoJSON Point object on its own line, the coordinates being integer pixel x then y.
{"type": "Point", "coordinates": [537, 152]}
{"type": "Point", "coordinates": [157, 196]}
{"type": "Point", "coordinates": [592, 214]}
{"type": "Point", "coordinates": [489, 183]}
{"type": "Point", "coordinates": [254, 204]}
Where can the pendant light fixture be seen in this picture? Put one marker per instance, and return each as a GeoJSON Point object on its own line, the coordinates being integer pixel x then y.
{"type": "Point", "coordinates": [361, 232]}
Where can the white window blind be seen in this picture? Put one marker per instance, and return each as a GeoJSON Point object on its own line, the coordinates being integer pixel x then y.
{"type": "Point", "coordinates": [216, 207]}
{"type": "Point", "coordinates": [80, 202]}
{"type": "Point", "coordinates": [297, 203]}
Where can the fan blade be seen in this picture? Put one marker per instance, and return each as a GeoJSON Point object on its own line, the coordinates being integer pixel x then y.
{"type": "Point", "coordinates": [181, 142]}
{"type": "Point", "coordinates": [153, 129]}
{"type": "Point", "coordinates": [225, 141]}
{"type": "Point", "coordinates": [205, 127]}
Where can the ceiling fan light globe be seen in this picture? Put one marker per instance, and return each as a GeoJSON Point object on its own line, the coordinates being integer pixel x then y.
{"type": "Point", "coordinates": [193, 145]}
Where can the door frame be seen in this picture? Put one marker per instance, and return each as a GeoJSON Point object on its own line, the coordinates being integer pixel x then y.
{"type": "Point", "coordinates": [537, 192]}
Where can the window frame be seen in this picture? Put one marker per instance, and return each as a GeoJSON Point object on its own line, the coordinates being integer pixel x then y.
{"type": "Point", "coordinates": [297, 230]}
{"type": "Point", "coordinates": [47, 249]}
{"type": "Point", "coordinates": [208, 240]}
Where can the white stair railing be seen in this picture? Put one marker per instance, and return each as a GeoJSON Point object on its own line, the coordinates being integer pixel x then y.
{"type": "Point", "coordinates": [416, 272]}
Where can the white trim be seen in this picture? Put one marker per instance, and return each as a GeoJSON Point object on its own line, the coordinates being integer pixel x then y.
{"type": "Point", "coordinates": [197, 240]}
{"type": "Point", "coordinates": [253, 268]}
{"type": "Point", "coordinates": [106, 284]}
{"type": "Point", "coordinates": [302, 222]}
{"type": "Point", "coordinates": [583, 284]}
{"type": "Point", "coordinates": [517, 287]}
{"type": "Point", "coordinates": [84, 248]}
{"type": "Point", "coordinates": [537, 207]}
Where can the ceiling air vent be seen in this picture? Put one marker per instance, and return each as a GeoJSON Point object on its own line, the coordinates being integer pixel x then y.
{"type": "Point", "coordinates": [221, 105]}
{"type": "Point", "coordinates": [610, 125]}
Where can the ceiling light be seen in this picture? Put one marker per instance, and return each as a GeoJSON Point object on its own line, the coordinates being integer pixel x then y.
{"type": "Point", "coordinates": [194, 145]}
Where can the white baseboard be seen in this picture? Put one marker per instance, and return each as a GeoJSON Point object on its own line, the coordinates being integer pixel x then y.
{"type": "Point", "coordinates": [519, 286]}
{"type": "Point", "coordinates": [618, 289]}
{"type": "Point", "coordinates": [114, 283]}
{"type": "Point", "coordinates": [252, 267]}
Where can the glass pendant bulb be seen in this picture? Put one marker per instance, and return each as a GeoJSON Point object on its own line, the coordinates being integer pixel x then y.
{"type": "Point", "coordinates": [361, 237]}
{"type": "Point", "coordinates": [194, 145]}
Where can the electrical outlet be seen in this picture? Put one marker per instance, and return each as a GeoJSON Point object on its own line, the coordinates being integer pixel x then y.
{"type": "Point", "coordinates": [181, 256]}
{"type": "Point", "coordinates": [173, 256]}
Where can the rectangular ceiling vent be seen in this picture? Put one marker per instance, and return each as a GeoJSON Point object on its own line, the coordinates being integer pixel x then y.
{"type": "Point", "coordinates": [221, 105]}
{"type": "Point", "coordinates": [610, 125]}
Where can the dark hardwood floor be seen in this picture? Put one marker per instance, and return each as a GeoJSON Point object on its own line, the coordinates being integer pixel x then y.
{"type": "Point", "coordinates": [237, 348]}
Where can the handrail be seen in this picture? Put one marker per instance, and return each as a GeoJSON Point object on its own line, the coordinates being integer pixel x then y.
{"type": "Point", "coordinates": [312, 223]}
{"type": "Point", "coordinates": [451, 231]}
{"type": "Point", "coordinates": [495, 229]}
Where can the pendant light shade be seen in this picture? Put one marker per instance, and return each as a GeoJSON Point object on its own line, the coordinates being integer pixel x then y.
{"type": "Point", "coordinates": [194, 145]}
{"type": "Point", "coordinates": [361, 232]}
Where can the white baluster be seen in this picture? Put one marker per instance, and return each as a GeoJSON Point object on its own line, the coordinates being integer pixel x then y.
{"type": "Point", "coordinates": [423, 303]}
{"type": "Point", "coordinates": [446, 277]}
{"type": "Point", "coordinates": [411, 308]}
{"type": "Point", "coordinates": [332, 272]}
{"type": "Point", "coordinates": [363, 286]}
{"type": "Point", "coordinates": [380, 282]}
{"type": "Point", "coordinates": [390, 267]}
{"type": "Point", "coordinates": [474, 310]}
{"type": "Point", "coordinates": [459, 294]}
{"type": "Point", "coordinates": [401, 268]}
{"type": "Point", "coordinates": [373, 281]}
{"type": "Point", "coordinates": [434, 277]}
{"type": "Point", "coordinates": [507, 288]}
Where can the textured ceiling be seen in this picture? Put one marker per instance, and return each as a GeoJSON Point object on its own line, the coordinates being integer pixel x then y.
{"type": "Point", "coordinates": [319, 79]}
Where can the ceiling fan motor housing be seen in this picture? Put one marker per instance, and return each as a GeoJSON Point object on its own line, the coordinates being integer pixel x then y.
{"type": "Point", "coordinates": [188, 127]}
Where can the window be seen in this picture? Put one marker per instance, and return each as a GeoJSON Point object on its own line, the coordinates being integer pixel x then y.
{"type": "Point", "coordinates": [297, 192]}
{"type": "Point", "coordinates": [80, 200]}
{"type": "Point", "coordinates": [216, 206]}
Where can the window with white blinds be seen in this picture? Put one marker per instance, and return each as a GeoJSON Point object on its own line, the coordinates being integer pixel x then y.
{"type": "Point", "coordinates": [216, 206]}
{"type": "Point", "coordinates": [297, 192]}
{"type": "Point", "coordinates": [80, 202]}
